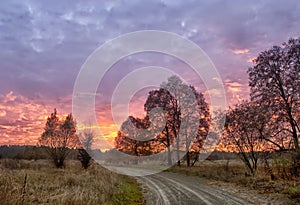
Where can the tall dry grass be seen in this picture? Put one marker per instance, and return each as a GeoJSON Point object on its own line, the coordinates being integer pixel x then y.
{"type": "Point", "coordinates": [46, 184]}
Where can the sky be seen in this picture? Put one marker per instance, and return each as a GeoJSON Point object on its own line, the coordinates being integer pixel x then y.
{"type": "Point", "coordinates": [45, 43]}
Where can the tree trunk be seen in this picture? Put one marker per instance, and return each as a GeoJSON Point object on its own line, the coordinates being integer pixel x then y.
{"type": "Point", "coordinates": [168, 146]}
{"type": "Point", "coordinates": [59, 163]}
{"type": "Point", "coordinates": [169, 156]}
{"type": "Point", "coordinates": [188, 161]}
{"type": "Point", "coordinates": [195, 160]}
{"type": "Point", "coordinates": [294, 129]}
{"type": "Point", "coordinates": [177, 151]}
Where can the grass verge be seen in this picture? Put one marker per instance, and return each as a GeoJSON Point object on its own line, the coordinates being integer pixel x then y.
{"type": "Point", "coordinates": [128, 192]}
{"type": "Point", "coordinates": [38, 182]}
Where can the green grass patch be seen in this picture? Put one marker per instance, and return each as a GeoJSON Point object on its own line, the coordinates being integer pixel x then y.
{"type": "Point", "coordinates": [128, 192]}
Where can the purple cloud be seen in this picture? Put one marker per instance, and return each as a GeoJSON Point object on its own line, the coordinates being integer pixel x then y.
{"type": "Point", "coordinates": [44, 44]}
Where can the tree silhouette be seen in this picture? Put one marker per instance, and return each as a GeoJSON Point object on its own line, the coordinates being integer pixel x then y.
{"type": "Point", "coordinates": [59, 137]}
{"type": "Point", "coordinates": [242, 133]}
{"type": "Point", "coordinates": [203, 119]}
{"type": "Point", "coordinates": [185, 112]}
{"type": "Point", "coordinates": [129, 139]}
{"type": "Point", "coordinates": [275, 79]}
{"type": "Point", "coordinates": [163, 99]}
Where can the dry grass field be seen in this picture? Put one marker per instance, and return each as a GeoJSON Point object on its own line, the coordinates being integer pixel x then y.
{"type": "Point", "coordinates": [233, 173]}
{"type": "Point", "coordinates": [38, 182]}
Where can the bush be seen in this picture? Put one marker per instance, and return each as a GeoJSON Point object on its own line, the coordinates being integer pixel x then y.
{"type": "Point", "coordinates": [84, 158]}
{"type": "Point", "coordinates": [286, 165]}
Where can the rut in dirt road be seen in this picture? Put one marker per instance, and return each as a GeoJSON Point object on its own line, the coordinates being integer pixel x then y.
{"type": "Point", "coordinates": [171, 188]}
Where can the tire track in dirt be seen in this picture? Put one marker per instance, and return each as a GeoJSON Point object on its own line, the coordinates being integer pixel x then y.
{"type": "Point", "coordinates": [173, 188]}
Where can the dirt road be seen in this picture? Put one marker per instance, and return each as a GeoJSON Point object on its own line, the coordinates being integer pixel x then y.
{"type": "Point", "coordinates": [171, 188]}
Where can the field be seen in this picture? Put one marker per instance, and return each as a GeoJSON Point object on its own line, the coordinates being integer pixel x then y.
{"type": "Point", "coordinates": [38, 182]}
{"type": "Point", "coordinates": [232, 173]}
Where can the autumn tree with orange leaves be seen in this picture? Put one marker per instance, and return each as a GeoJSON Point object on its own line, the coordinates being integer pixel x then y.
{"type": "Point", "coordinates": [59, 138]}
{"type": "Point", "coordinates": [179, 125]}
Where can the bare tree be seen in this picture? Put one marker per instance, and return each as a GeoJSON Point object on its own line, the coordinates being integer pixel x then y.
{"type": "Point", "coordinates": [275, 79]}
{"type": "Point", "coordinates": [59, 138]}
{"type": "Point", "coordinates": [241, 134]}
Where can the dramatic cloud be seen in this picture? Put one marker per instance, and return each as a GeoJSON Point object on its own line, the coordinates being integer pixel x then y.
{"type": "Point", "coordinates": [44, 44]}
{"type": "Point", "coordinates": [22, 119]}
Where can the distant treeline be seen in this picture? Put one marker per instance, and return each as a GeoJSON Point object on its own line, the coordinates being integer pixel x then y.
{"type": "Point", "coordinates": [28, 152]}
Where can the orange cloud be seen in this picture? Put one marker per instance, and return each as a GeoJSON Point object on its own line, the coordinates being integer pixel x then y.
{"type": "Point", "coordinates": [236, 91]}
{"type": "Point", "coordinates": [22, 119]}
{"type": "Point", "coordinates": [234, 87]}
{"type": "Point", "coordinates": [240, 51]}
{"type": "Point", "coordinates": [2, 113]}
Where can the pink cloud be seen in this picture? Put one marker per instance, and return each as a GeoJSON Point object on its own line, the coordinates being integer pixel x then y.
{"type": "Point", "coordinates": [9, 97]}
{"type": "Point", "coordinates": [22, 119]}
{"type": "Point", "coordinates": [240, 51]}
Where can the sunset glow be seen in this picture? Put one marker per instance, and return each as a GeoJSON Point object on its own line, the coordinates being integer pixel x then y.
{"type": "Point", "coordinates": [44, 46]}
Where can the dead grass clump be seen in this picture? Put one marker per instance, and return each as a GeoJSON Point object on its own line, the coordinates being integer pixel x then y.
{"type": "Point", "coordinates": [14, 164]}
